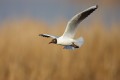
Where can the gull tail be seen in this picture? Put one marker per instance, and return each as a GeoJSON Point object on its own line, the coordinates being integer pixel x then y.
{"type": "Point", "coordinates": [79, 41]}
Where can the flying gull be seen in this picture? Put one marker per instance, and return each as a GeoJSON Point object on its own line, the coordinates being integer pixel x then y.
{"type": "Point", "coordinates": [67, 39]}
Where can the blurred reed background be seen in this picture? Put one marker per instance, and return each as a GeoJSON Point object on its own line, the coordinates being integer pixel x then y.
{"type": "Point", "coordinates": [26, 56]}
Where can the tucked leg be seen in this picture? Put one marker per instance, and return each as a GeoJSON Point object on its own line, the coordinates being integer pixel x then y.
{"type": "Point", "coordinates": [75, 46]}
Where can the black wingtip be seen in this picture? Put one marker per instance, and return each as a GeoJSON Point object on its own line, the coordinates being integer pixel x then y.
{"type": "Point", "coordinates": [40, 35]}
{"type": "Point", "coordinates": [96, 6]}
{"type": "Point", "coordinates": [43, 35]}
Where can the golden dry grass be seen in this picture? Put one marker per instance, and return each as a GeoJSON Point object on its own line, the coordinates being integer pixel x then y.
{"type": "Point", "coordinates": [24, 55]}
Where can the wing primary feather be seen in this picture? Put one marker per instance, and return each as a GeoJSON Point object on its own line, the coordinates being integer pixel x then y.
{"type": "Point", "coordinates": [72, 24]}
{"type": "Point", "coordinates": [48, 36]}
{"type": "Point", "coordinates": [43, 35]}
{"type": "Point", "coordinates": [86, 13]}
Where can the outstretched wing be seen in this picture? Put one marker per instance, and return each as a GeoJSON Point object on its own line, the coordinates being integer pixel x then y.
{"type": "Point", "coordinates": [72, 24]}
{"type": "Point", "coordinates": [48, 36]}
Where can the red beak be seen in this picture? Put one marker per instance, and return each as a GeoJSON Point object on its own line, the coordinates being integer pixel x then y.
{"type": "Point", "coordinates": [50, 42]}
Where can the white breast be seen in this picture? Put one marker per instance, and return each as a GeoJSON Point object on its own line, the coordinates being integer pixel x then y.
{"type": "Point", "coordinates": [64, 41]}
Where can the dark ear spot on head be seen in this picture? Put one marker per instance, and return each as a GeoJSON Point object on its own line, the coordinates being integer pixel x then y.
{"type": "Point", "coordinates": [55, 41]}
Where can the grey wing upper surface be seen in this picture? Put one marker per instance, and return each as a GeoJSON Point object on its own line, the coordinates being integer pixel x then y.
{"type": "Point", "coordinates": [72, 24]}
{"type": "Point", "coordinates": [48, 36]}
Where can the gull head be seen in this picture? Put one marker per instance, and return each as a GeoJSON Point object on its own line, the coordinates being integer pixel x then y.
{"type": "Point", "coordinates": [54, 41]}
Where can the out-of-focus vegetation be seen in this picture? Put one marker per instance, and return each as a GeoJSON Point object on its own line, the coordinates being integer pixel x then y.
{"type": "Point", "coordinates": [26, 56]}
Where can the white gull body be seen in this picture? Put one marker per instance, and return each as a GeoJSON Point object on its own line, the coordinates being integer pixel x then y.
{"type": "Point", "coordinates": [67, 39]}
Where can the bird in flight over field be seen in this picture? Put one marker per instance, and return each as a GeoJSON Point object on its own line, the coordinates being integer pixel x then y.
{"type": "Point", "coordinates": [67, 39]}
